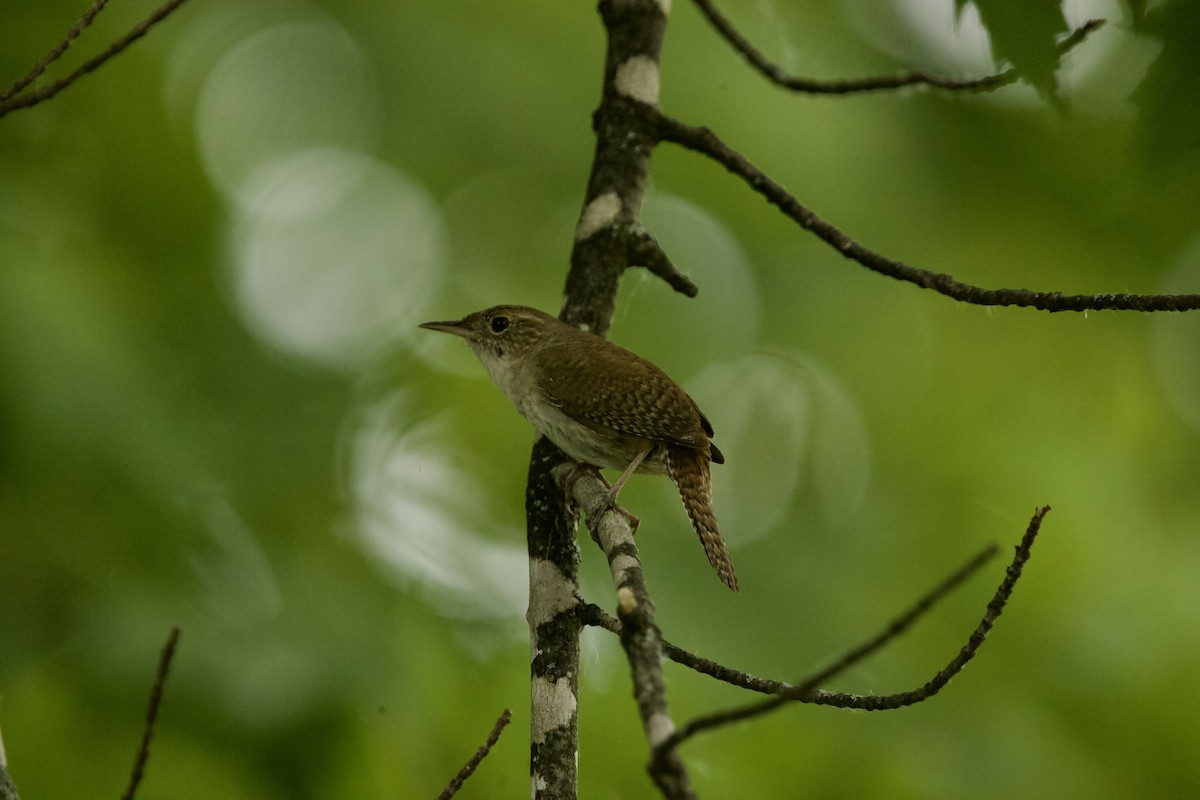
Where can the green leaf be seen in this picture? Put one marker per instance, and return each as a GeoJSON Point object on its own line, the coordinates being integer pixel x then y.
{"type": "Point", "coordinates": [1024, 34]}
{"type": "Point", "coordinates": [1168, 96]}
{"type": "Point", "coordinates": [1137, 12]}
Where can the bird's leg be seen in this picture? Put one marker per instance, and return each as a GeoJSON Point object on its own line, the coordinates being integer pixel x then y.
{"type": "Point", "coordinates": [610, 499]}
{"type": "Point", "coordinates": [633, 465]}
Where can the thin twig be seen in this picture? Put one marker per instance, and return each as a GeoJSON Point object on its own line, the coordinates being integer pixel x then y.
{"type": "Point", "coordinates": [645, 251]}
{"type": "Point", "coordinates": [802, 690]}
{"type": "Point", "coordinates": [475, 760]}
{"type": "Point", "coordinates": [160, 680]}
{"type": "Point", "coordinates": [780, 77]}
{"type": "Point", "coordinates": [594, 615]}
{"type": "Point", "coordinates": [57, 51]}
{"type": "Point", "coordinates": [32, 98]}
{"type": "Point", "coordinates": [704, 141]}
{"type": "Point", "coordinates": [806, 690]}
{"type": "Point", "coordinates": [938, 682]}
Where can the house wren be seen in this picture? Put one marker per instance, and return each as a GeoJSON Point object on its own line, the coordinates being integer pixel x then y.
{"type": "Point", "coordinates": [601, 405]}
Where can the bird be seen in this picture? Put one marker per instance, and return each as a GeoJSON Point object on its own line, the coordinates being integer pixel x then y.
{"type": "Point", "coordinates": [602, 405]}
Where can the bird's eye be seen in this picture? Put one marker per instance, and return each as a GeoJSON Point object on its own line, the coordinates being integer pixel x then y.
{"type": "Point", "coordinates": [499, 324]}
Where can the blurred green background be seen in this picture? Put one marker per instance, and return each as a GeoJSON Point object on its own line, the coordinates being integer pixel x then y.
{"type": "Point", "coordinates": [216, 411]}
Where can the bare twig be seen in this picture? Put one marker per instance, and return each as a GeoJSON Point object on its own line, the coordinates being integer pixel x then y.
{"type": "Point", "coordinates": [160, 679]}
{"type": "Point", "coordinates": [777, 75]}
{"type": "Point", "coordinates": [57, 51]}
{"type": "Point", "coordinates": [24, 99]}
{"type": "Point", "coordinates": [806, 690]}
{"type": "Point", "coordinates": [702, 140]}
{"type": "Point", "coordinates": [475, 760]}
{"type": "Point", "coordinates": [594, 615]}
{"type": "Point", "coordinates": [645, 251]}
{"type": "Point", "coordinates": [935, 685]}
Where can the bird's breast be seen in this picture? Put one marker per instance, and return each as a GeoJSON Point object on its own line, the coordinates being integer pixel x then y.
{"type": "Point", "coordinates": [602, 448]}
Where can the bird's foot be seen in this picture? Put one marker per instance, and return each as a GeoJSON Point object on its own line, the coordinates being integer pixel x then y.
{"type": "Point", "coordinates": [606, 503]}
{"type": "Point", "coordinates": [609, 503]}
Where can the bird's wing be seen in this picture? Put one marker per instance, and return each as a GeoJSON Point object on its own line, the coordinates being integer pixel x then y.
{"type": "Point", "coordinates": [614, 388]}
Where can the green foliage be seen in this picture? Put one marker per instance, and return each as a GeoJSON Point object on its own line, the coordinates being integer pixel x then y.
{"type": "Point", "coordinates": [1025, 35]}
{"type": "Point", "coordinates": [1169, 128]}
{"type": "Point", "coordinates": [216, 411]}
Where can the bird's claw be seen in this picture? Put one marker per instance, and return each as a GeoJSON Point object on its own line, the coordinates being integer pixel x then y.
{"type": "Point", "coordinates": [606, 504]}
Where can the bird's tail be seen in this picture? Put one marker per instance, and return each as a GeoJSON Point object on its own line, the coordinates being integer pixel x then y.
{"type": "Point", "coordinates": [689, 468]}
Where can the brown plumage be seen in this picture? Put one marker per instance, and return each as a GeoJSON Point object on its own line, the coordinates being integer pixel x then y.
{"type": "Point", "coordinates": [690, 471]}
{"type": "Point", "coordinates": [602, 405]}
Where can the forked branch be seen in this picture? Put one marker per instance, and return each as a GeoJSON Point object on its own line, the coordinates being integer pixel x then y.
{"type": "Point", "coordinates": [57, 51]}
{"type": "Point", "coordinates": [702, 140]}
{"type": "Point", "coordinates": [20, 96]}
{"type": "Point", "coordinates": [807, 690]}
{"type": "Point", "coordinates": [777, 75]}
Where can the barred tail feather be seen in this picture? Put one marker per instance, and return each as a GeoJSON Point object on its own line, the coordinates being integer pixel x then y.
{"type": "Point", "coordinates": [689, 468]}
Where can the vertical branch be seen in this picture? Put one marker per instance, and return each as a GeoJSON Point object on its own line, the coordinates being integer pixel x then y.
{"type": "Point", "coordinates": [626, 132]}
{"type": "Point", "coordinates": [606, 238]}
{"type": "Point", "coordinates": [554, 627]}
{"type": "Point", "coordinates": [607, 241]}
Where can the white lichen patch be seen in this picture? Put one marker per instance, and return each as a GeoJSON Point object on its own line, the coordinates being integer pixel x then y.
{"type": "Point", "coordinates": [638, 78]}
{"type": "Point", "coordinates": [621, 564]}
{"type": "Point", "coordinates": [598, 215]}
{"type": "Point", "coordinates": [658, 728]}
{"type": "Point", "coordinates": [626, 600]}
{"type": "Point", "coordinates": [552, 704]}
{"type": "Point", "coordinates": [549, 592]}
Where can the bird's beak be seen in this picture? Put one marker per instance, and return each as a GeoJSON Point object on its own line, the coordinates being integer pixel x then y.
{"type": "Point", "coordinates": [455, 327]}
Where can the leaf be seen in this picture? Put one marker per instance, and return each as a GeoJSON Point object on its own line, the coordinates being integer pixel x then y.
{"type": "Point", "coordinates": [1169, 126]}
{"type": "Point", "coordinates": [1137, 12]}
{"type": "Point", "coordinates": [1024, 33]}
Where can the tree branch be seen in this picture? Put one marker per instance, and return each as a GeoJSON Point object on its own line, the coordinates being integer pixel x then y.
{"type": "Point", "coordinates": [994, 609]}
{"type": "Point", "coordinates": [160, 680]}
{"type": "Point", "coordinates": [474, 761]}
{"type": "Point", "coordinates": [57, 51]}
{"type": "Point", "coordinates": [625, 126]}
{"type": "Point", "coordinates": [645, 251]}
{"type": "Point", "coordinates": [639, 633]}
{"type": "Point", "coordinates": [594, 615]}
{"type": "Point", "coordinates": [778, 76]}
{"type": "Point", "coordinates": [553, 629]}
{"type": "Point", "coordinates": [608, 240]}
{"type": "Point", "coordinates": [806, 690]}
{"type": "Point", "coordinates": [702, 140]}
{"type": "Point", "coordinates": [16, 98]}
